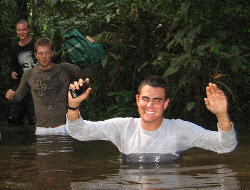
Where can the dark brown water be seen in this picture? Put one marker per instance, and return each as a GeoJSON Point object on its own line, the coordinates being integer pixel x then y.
{"type": "Point", "coordinates": [60, 162]}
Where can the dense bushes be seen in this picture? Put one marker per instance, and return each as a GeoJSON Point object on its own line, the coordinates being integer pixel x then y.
{"type": "Point", "coordinates": [190, 43]}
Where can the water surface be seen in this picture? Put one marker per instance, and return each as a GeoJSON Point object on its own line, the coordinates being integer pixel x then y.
{"type": "Point", "coordinates": [61, 162]}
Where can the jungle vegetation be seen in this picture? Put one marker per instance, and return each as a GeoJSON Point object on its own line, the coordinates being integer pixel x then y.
{"type": "Point", "coordinates": [188, 42]}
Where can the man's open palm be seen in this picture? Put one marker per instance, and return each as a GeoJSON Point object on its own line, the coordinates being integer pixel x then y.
{"type": "Point", "coordinates": [216, 101]}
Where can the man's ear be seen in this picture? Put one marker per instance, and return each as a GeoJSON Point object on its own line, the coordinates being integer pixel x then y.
{"type": "Point", "coordinates": [137, 98]}
{"type": "Point", "coordinates": [166, 103]}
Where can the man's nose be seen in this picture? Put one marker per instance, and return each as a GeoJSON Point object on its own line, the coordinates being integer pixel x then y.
{"type": "Point", "coordinates": [150, 103]}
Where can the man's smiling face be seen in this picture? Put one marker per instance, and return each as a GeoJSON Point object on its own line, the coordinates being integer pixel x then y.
{"type": "Point", "coordinates": [22, 30]}
{"type": "Point", "coordinates": [151, 103]}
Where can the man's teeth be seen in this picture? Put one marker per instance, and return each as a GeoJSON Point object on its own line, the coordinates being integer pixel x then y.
{"type": "Point", "coordinates": [149, 112]}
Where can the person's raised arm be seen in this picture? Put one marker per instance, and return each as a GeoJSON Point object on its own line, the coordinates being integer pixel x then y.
{"type": "Point", "coordinates": [74, 103]}
{"type": "Point", "coordinates": [216, 102]}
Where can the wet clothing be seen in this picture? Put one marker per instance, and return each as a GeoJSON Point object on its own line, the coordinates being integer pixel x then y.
{"type": "Point", "coordinates": [58, 130]}
{"type": "Point", "coordinates": [161, 145]}
{"type": "Point", "coordinates": [49, 90]}
{"type": "Point", "coordinates": [22, 58]}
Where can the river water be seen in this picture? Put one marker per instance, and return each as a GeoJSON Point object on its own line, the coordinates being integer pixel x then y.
{"type": "Point", "coordinates": [60, 162]}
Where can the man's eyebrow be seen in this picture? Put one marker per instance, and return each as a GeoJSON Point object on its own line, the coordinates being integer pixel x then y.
{"type": "Point", "coordinates": [153, 98]}
{"type": "Point", "coordinates": [157, 98]}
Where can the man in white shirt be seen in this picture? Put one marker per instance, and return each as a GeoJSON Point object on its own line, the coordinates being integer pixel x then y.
{"type": "Point", "coordinates": [152, 138]}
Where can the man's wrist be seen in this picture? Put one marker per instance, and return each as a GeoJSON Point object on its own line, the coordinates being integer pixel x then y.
{"type": "Point", "coordinates": [224, 122]}
{"type": "Point", "coordinates": [71, 108]}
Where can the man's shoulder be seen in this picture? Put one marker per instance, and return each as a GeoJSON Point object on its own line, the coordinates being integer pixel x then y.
{"type": "Point", "coordinates": [30, 70]}
{"type": "Point", "coordinates": [69, 67]}
{"type": "Point", "coordinates": [174, 120]}
{"type": "Point", "coordinates": [66, 64]}
{"type": "Point", "coordinates": [28, 73]}
{"type": "Point", "coordinates": [15, 45]}
{"type": "Point", "coordinates": [32, 41]}
{"type": "Point", "coordinates": [123, 120]}
{"type": "Point", "coordinates": [178, 124]}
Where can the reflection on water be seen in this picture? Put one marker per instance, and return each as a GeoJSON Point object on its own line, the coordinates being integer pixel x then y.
{"type": "Point", "coordinates": [60, 162]}
{"type": "Point", "coordinates": [168, 177]}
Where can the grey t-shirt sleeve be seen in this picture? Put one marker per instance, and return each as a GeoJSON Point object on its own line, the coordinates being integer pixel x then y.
{"type": "Point", "coordinates": [193, 135]}
{"type": "Point", "coordinates": [110, 130]}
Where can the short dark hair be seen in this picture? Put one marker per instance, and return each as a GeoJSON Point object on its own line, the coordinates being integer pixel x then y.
{"type": "Point", "coordinates": [43, 42]}
{"type": "Point", "coordinates": [21, 21]}
{"type": "Point", "coordinates": [155, 81]}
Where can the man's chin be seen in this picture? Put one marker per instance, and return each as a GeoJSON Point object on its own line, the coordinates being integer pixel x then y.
{"type": "Point", "coordinates": [148, 120]}
{"type": "Point", "coordinates": [151, 119]}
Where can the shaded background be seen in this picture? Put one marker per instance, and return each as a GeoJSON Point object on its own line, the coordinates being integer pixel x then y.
{"type": "Point", "coordinates": [190, 43]}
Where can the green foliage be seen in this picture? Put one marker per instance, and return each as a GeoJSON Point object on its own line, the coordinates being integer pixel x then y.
{"type": "Point", "coordinates": [123, 105]}
{"type": "Point", "coordinates": [190, 43]}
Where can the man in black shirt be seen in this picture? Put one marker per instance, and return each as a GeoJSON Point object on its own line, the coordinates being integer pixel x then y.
{"type": "Point", "coordinates": [22, 59]}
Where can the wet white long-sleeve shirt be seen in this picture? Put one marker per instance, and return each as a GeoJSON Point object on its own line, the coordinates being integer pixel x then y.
{"type": "Point", "coordinates": [164, 144]}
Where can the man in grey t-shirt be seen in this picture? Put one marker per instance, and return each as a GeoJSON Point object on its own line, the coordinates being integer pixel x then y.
{"type": "Point", "coordinates": [152, 138]}
{"type": "Point", "coordinates": [48, 83]}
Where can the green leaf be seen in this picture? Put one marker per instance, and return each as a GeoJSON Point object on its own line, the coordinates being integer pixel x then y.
{"type": "Point", "coordinates": [190, 106]}
{"type": "Point", "coordinates": [173, 68]}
